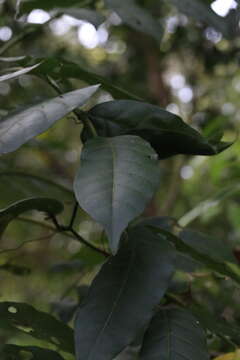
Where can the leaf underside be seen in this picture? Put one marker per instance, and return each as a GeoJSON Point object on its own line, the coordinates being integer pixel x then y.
{"type": "Point", "coordinates": [116, 179]}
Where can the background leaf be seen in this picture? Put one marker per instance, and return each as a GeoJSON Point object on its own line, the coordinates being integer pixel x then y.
{"type": "Point", "coordinates": [166, 132]}
{"type": "Point", "coordinates": [116, 179]}
{"type": "Point", "coordinates": [18, 73]}
{"type": "Point", "coordinates": [123, 296]}
{"type": "Point", "coordinates": [136, 17]}
{"type": "Point", "coordinates": [40, 325]}
{"type": "Point", "coordinates": [16, 352]}
{"type": "Point", "coordinates": [17, 129]}
{"type": "Point", "coordinates": [174, 334]}
{"type": "Point", "coordinates": [47, 205]}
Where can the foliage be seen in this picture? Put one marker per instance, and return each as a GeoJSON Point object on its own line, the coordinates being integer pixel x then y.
{"type": "Point", "coordinates": [106, 260]}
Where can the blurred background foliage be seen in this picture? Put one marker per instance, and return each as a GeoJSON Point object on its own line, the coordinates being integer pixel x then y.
{"type": "Point", "coordinates": [194, 73]}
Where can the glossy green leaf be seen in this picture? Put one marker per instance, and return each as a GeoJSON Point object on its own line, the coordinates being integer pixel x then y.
{"type": "Point", "coordinates": [116, 179]}
{"type": "Point", "coordinates": [174, 334]}
{"type": "Point", "coordinates": [16, 352]}
{"type": "Point", "coordinates": [166, 132]}
{"type": "Point", "coordinates": [40, 325]}
{"type": "Point", "coordinates": [20, 72]}
{"type": "Point", "coordinates": [17, 129]}
{"type": "Point", "coordinates": [136, 17]}
{"type": "Point", "coordinates": [123, 296]}
{"type": "Point", "coordinates": [47, 205]}
{"type": "Point", "coordinates": [203, 13]}
{"type": "Point", "coordinates": [14, 186]}
{"type": "Point", "coordinates": [61, 69]}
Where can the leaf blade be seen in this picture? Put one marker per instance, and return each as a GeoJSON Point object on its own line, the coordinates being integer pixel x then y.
{"type": "Point", "coordinates": [132, 282]}
{"type": "Point", "coordinates": [174, 334]}
{"type": "Point", "coordinates": [17, 129]}
{"type": "Point", "coordinates": [114, 200]}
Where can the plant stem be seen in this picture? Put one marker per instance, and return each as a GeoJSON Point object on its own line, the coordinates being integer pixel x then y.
{"type": "Point", "coordinates": [73, 215]}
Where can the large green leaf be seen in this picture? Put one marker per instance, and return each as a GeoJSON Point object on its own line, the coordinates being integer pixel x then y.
{"type": "Point", "coordinates": [166, 132]}
{"type": "Point", "coordinates": [17, 129]}
{"type": "Point", "coordinates": [123, 296]}
{"type": "Point", "coordinates": [18, 73]}
{"type": "Point", "coordinates": [116, 179]}
{"type": "Point", "coordinates": [136, 17]}
{"type": "Point", "coordinates": [14, 186]}
{"type": "Point", "coordinates": [16, 352]}
{"type": "Point", "coordinates": [203, 13]}
{"type": "Point", "coordinates": [47, 205]}
{"type": "Point", "coordinates": [24, 318]}
{"type": "Point", "coordinates": [61, 69]}
{"type": "Point", "coordinates": [174, 334]}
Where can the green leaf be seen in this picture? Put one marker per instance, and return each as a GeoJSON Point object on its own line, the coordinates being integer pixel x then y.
{"type": "Point", "coordinates": [203, 13]}
{"type": "Point", "coordinates": [116, 179]}
{"type": "Point", "coordinates": [28, 5]}
{"type": "Point", "coordinates": [18, 73]}
{"type": "Point", "coordinates": [14, 186]}
{"type": "Point", "coordinates": [136, 17]}
{"type": "Point", "coordinates": [208, 245]}
{"type": "Point", "coordinates": [164, 222]}
{"type": "Point", "coordinates": [94, 17]}
{"type": "Point", "coordinates": [123, 296]}
{"type": "Point", "coordinates": [216, 325]}
{"type": "Point", "coordinates": [16, 352]}
{"type": "Point", "coordinates": [47, 205]}
{"type": "Point", "coordinates": [166, 132]}
{"type": "Point", "coordinates": [61, 69]}
{"type": "Point", "coordinates": [17, 129]}
{"type": "Point", "coordinates": [227, 269]}
{"type": "Point", "coordinates": [174, 334]}
{"type": "Point", "coordinates": [24, 318]}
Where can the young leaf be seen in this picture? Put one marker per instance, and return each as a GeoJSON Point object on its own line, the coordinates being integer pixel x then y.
{"type": "Point", "coordinates": [16, 352]}
{"type": "Point", "coordinates": [116, 179]}
{"type": "Point", "coordinates": [136, 17]}
{"type": "Point", "coordinates": [123, 296]}
{"type": "Point", "coordinates": [17, 129]}
{"type": "Point", "coordinates": [166, 132]}
{"type": "Point", "coordinates": [24, 318]}
{"type": "Point", "coordinates": [49, 206]}
{"type": "Point", "coordinates": [174, 334]}
{"type": "Point", "coordinates": [18, 73]}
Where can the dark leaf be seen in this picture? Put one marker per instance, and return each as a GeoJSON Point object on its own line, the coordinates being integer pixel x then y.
{"type": "Point", "coordinates": [61, 69]}
{"type": "Point", "coordinates": [116, 179]}
{"type": "Point", "coordinates": [203, 13]}
{"type": "Point", "coordinates": [136, 17]}
{"type": "Point", "coordinates": [123, 296]}
{"type": "Point", "coordinates": [15, 269]}
{"type": "Point", "coordinates": [27, 6]}
{"type": "Point", "coordinates": [40, 325]}
{"type": "Point", "coordinates": [174, 334]}
{"type": "Point", "coordinates": [208, 245]}
{"type": "Point", "coordinates": [14, 186]}
{"type": "Point", "coordinates": [166, 132]}
{"type": "Point", "coordinates": [16, 352]}
{"type": "Point", "coordinates": [17, 129]}
{"type": "Point", "coordinates": [164, 222]}
{"type": "Point", "coordinates": [49, 206]}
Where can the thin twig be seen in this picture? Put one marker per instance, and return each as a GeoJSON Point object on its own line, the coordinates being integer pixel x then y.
{"type": "Point", "coordinates": [46, 237]}
{"type": "Point", "coordinates": [91, 246]}
{"type": "Point", "coordinates": [74, 214]}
